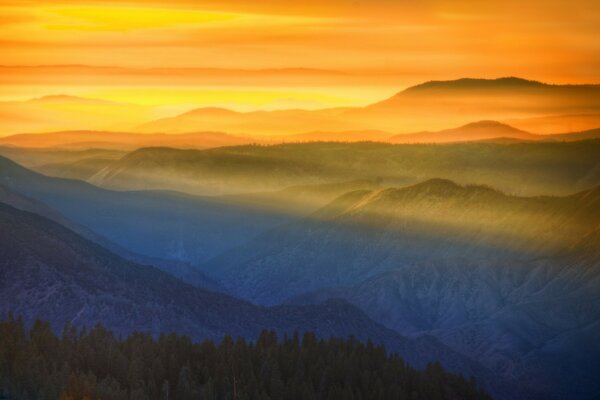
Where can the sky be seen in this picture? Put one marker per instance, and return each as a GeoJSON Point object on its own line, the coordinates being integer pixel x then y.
{"type": "Point", "coordinates": [248, 55]}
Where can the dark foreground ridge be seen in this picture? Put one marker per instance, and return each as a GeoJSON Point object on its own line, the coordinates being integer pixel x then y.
{"type": "Point", "coordinates": [97, 365]}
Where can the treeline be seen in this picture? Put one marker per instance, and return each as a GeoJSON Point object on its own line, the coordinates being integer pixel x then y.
{"type": "Point", "coordinates": [95, 364]}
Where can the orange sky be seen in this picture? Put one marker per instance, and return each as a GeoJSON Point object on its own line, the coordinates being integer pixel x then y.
{"type": "Point", "coordinates": [277, 54]}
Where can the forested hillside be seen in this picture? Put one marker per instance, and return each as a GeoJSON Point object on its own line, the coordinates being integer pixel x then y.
{"type": "Point", "coordinates": [37, 364]}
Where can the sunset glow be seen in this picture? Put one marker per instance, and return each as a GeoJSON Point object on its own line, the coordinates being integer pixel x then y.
{"type": "Point", "coordinates": [371, 49]}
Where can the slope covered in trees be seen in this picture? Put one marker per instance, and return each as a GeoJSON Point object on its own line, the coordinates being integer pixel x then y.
{"type": "Point", "coordinates": [96, 364]}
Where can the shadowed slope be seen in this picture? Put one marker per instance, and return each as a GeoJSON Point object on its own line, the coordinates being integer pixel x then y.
{"type": "Point", "coordinates": [363, 233]}
{"type": "Point", "coordinates": [49, 271]}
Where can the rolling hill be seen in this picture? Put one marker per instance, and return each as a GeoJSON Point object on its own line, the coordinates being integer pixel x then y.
{"type": "Point", "coordinates": [519, 168]}
{"type": "Point", "coordinates": [74, 140]}
{"type": "Point", "coordinates": [475, 268]}
{"type": "Point", "coordinates": [49, 271]}
{"type": "Point", "coordinates": [193, 229]}
{"type": "Point", "coordinates": [366, 232]}
{"type": "Point", "coordinates": [181, 270]}
{"type": "Point", "coordinates": [482, 130]}
{"type": "Point", "coordinates": [259, 124]}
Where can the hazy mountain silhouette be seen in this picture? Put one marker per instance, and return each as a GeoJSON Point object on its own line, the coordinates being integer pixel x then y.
{"type": "Point", "coordinates": [523, 168]}
{"type": "Point", "coordinates": [121, 140]}
{"type": "Point", "coordinates": [428, 106]}
{"type": "Point", "coordinates": [482, 130]}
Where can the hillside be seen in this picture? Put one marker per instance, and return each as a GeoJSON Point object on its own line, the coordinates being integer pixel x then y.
{"type": "Point", "coordinates": [289, 368]}
{"type": "Point", "coordinates": [366, 232]}
{"type": "Point", "coordinates": [469, 265]}
{"type": "Point", "coordinates": [52, 273]}
{"type": "Point", "coordinates": [120, 140]}
{"type": "Point", "coordinates": [518, 168]}
{"type": "Point", "coordinates": [482, 130]}
{"type": "Point", "coordinates": [181, 270]}
{"type": "Point", "coordinates": [260, 124]}
{"type": "Point", "coordinates": [192, 229]}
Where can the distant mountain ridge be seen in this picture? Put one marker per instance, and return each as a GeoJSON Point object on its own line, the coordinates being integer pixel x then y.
{"type": "Point", "coordinates": [429, 106]}
{"type": "Point", "coordinates": [451, 103]}
{"type": "Point", "coordinates": [481, 130]}
{"type": "Point", "coordinates": [248, 169]}
{"type": "Point", "coordinates": [121, 140]}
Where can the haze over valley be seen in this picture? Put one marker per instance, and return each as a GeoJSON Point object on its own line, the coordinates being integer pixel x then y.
{"type": "Point", "coordinates": [313, 200]}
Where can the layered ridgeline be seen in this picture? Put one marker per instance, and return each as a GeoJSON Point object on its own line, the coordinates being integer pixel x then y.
{"type": "Point", "coordinates": [192, 229]}
{"type": "Point", "coordinates": [510, 281]}
{"type": "Point", "coordinates": [529, 105]}
{"type": "Point", "coordinates": [297, 367]}
{"type": "Point", "coordinates": [180, 269]}
{"type": "Point", "coordinates": [431, 106]}
{"type": "Point", "coordinates": [75, 140]}
{"type": "Point", "coordinates": [365, 232]}
{"type": "Point", "coordinates": [520, 168]}
{"type": "Point", "coordinates": [50, 272]}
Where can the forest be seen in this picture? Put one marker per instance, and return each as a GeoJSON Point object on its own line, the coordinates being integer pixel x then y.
{"type": "Point", "coordinates": [35, 363]}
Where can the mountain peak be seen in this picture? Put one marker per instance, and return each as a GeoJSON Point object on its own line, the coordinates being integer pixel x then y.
{"type": "Point", "coordinates": [479, 130]}
{"type": "Point", "coordinates": [475, 83]}
{"type": "Point", "coordinates": [487, 124]}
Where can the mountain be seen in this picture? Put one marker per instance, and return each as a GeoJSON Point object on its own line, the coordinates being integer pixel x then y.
{"type": "Point", "coordinates": [49, 271]}
{"type": "Point", "coordinates": [120, 140]}
{"type": "Point", "coordinates": [482, 130]}
{"type": "Point", "coordinates": [35, 157]}
{"type": "Point", "coordinates": [509, 281]}
{"type": "Point", "coordinates": [525, 320]}
{"type": "Point", "coordinates": [429, 106]}
{"type": "Point", "coordinates": [438, 104]}
{"type": "Point", "coordinates": [192, 229]}
{"type": "Point", "coordinates": [366, 232]}
{"type": "Point", "coordinates": [518, 168]}
{"type": "Point", "coordinates": [180, 269]}
{"type": "Point", "coordinates": [260, 124]}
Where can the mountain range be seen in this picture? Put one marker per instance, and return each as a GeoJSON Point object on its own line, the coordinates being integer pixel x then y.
{"type": "Point", "coordinates": [469, 265]}
{"type": "Point", "coordinates": [432, 106]}
{"type": "Point", "coordinates": [477, 246]}
{"type": "Point", "coordinates": [528, 168]}
{"type": "Point", "coordinates": [52, 273]}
